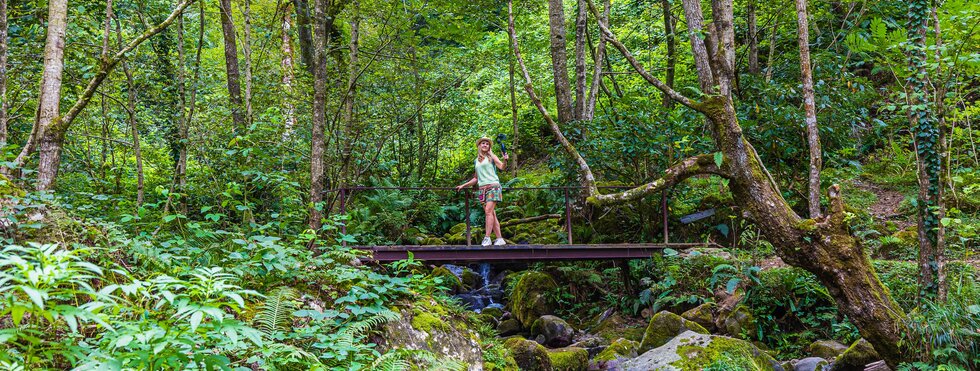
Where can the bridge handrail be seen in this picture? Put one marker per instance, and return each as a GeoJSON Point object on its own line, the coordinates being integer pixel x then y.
{"type": "Point", "coordinates": [344, 194]}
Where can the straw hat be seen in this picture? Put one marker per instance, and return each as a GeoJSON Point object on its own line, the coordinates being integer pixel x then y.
{"type": "Point", "coordinates": [483, 139]}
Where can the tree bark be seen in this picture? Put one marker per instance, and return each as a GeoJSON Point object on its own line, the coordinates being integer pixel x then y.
{"type": "Point", "coordinates": [580, 29]}
{"type": "Point", "coordinates": [304, 34]}
{"type": "Point", "coordinates": [671, 52]}
{"type": "Point", "coordinates": [513, 117]}
{"type": "Point", "coordinates": [134, 128]}
{"type": "Point", "coordinates": [231, 65]}
{"type": "Point", "coordinates": [926, 137]}
{"type": "Point", "coordinates": [4, 104]}
{"type": "Point", "coordinates": [772, 49]}
{"type": "Point", "coordinates": [289, 110]}
{"type": "Point", "coordinates": [319, 114]}
{"type": "Point", "coordinates": [559, 56]}
{"type": "Point", "coordinates": [51, 132]}
{"type": "Point", "coordinates": [822, 246]}
{"type": "Point", "coordinates": [49, 101]}
{"type": "Point", "coordinates": [598, 59]}
{"type": "Point", "coordinates": [753, 40]}
{"type": "Point", "coordinates": [695, 28]}
{"type": "Point", "coordinates": [247, 56]}
{"type": "Point", "coordinates": [809, 109]}
{"type": "Point", "coordinates": [348, 119]}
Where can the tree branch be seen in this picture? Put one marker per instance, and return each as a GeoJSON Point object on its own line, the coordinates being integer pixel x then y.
{"type": "Point", "coordinates": [588, 180]}
{"type": "Point", "coordinates": [691, 166]}
{"type": "Point", "coordinates": [673, 94]}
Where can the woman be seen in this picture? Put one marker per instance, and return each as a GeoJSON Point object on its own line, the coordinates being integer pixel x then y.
{"type": "Point", "coordinates": [490, 192]}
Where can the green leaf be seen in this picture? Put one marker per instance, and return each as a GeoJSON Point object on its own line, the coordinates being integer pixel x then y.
{"type": "Point", "coordinates": [17, 312]}
{"type": "Point", "coordinates": [196, 320]}
{"type": "Point", "coordinates": [36, 296]}
{"type": "Point", "coordinates": [719, 157]}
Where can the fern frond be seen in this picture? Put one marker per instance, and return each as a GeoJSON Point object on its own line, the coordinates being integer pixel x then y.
{"type": "Point", "coordinates": [277, 310]}
{"type": "Point", "coordinates": [363, 326]}
{"type": "Point", "coordinates": [391, 361]}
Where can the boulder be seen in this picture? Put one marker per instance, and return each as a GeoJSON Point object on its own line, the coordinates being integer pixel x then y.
{"type": "Point", "coordinates": [557, 332]}
{"type": "Point", "coordinates": [665, 326]}
{"type": "Point", "coordinates": [737, 323]}
{"type": "Point", "coordinates": [619, 350]}
{"type": "Point", "coordinates": [569, 359]}
{"type": "Point", "coordinates": [447, 278]}
{"type": "Point", "coordinates": [471, 280]}
{"type": "Point", "coordinates": [530, 297]}
{"type": "Point", "coordinates": [827, 349]}
{"type": "Point", "coordinates": [430, 326]}
{"type": "Point", "coordinates": [693, 351]}
{"type": "Point", "coordinates": [810, 364]}
{"type": "Point", "coordinates": [614, 326]}
{"type": "Point", "coordinates": [702, 314]}
{"type": "Point", "coordinates": [856, 357]}
{"type": "Point", "coordinates": [496, 313]}
{"type": "Point", "coordinates": [436, 241]}
{"type": "Point", "coordinates": [529, 355]}
{"type": "Point", "coordinates": [508, 327]}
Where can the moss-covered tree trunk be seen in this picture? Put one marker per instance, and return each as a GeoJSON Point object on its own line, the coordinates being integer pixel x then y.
{"type": "Point", "coordinates": [822, 246]}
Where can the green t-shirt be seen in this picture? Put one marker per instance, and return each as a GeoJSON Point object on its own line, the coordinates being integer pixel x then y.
{"type": "Point", "coordinates": [486, 172]}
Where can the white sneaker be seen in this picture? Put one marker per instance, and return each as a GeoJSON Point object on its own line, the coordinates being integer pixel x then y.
{"type": "Point", "coordinates": [486, 241]}
{"type": "Point", "coordinates": [499, 242]}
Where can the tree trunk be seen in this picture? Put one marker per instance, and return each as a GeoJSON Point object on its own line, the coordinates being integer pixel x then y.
{"type": "Point", "coordinates": [231, 65]}
{"type": "Point", "coordinates": [812, 133]}
{"type": "Point", "coordinates": [940, 96]}
{"type": "Point", "coordinates": [51, 132]}
{"type": "Point", "coordinates": [304, 34]}
{"type": "Point", "coordinates": [772, 49]}
{"type": "Point", "coordinates": [580, 29]}
{"type": "Point", "coordinates": [289, 110]}
{"type": "Point", "coordinates": [319, 114]}
{"type": "Point", "coordinates": [49, 101]}
{"type": "Point", "coordinates": [349, 129]}
{"type": "Point", "coordinates": [247, 55]}
{"type": "Point", "coordinates": [4, 104]}
{"type": "Point", "coordinates": [598, 58]}
{"type": "Point", "coordinates": [131, 110]}
{"type": "Point", "coordinates": [822, 246]}
{"type": "Point", "coordinates": [753, 40]}
{"type": "Point", "coordinates": [671, 52]}
{"type": "Point", "coordinates": [563, 93]}
{"type": "Point", "coordinates": [513, 117]}
{"type": "Point", "coordinates": [926, 135]}
{"type": "Point", "coordinates": [695, 28]}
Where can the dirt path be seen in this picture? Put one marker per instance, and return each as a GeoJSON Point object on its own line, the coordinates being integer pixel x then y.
{"type": "Point", "coordinates": [885, 209]}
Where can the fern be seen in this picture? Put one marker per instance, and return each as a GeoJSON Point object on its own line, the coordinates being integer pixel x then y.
{"type": "Point", "coordinates": [277, 310]}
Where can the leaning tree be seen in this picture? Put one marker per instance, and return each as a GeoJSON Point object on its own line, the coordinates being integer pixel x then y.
{"type": "Point", "coordinates": [823, 246]}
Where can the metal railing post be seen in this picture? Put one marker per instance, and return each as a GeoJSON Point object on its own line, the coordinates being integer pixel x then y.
{"type": "Point", "coordinates": [568, 217]}
{"type": "Point", "coordinates": [467, 216]}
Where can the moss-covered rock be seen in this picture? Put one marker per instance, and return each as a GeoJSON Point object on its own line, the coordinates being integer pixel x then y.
{"type": "Point", "coordinates": [9, 189]}
{"type": "Point", "coordinates": [569, 359]}
{"type": "Point", "coordinates": [738, 323]}
{"type": "Point", "coordinates": [557, 332]}
{"type": "Point", "coordinates": [529, 355]}
{"type": "Point", "coordinates": [809, 364]}
{"type": "Point", "coordinates": [494, 312]}
{"type": "Point", "coordinates": [432, 241]}
{"type": "Point", "coordinates": [691, 351]}
{"type": "Point", "coordinates": [827, 349]}
{"type": "Point", "coordinates": [856, 357]}
{"type": "Point", "coordinates": [665, 326]}
{"type": "Point", "coordinates": [448, 279]}
{"type": "Point", "coordinates": [427, 325]}
{"type": "Point", "coordinates": [471, 280]}
{"type": "Point", "coordinates": [530, 296]}
{"type": "Point", "coordinates": [619, 350]}
{"type": "Point", "coordinates": [508, 327]}
{"type": "Point", "coordinates": [615, 326]}
{"type": "Point", "coordinates": [703, 315]}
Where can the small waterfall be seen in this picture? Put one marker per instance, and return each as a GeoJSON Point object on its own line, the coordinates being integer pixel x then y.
{"type": "Point", "coordinates": [484, 293]}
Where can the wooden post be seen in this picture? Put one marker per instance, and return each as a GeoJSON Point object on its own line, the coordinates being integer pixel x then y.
{"type": "Point", "coordinates": [568, 217]}
{"type": "Point", "coordinates": [467, 196]}
{"type": "Point", "coordinates": [624, 270]}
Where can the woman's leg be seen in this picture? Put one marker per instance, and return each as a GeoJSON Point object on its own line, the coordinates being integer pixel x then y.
{"type": "Point", "coordinates": [496, 225]}
{"type": "Point", "coordinates": [491, 217]}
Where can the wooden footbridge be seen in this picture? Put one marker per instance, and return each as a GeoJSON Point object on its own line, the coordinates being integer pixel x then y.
{"type": "Point", "coordinates": [514, 252]}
